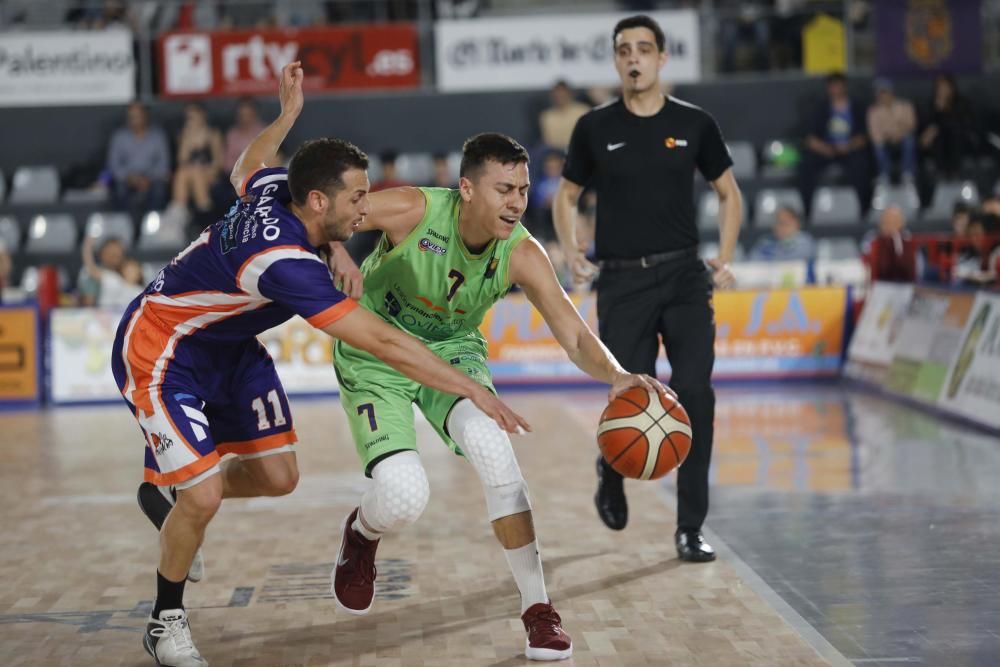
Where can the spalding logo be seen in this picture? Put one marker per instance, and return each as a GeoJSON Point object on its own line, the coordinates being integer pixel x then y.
{"type": "Point", "coordinates": [426, 244]}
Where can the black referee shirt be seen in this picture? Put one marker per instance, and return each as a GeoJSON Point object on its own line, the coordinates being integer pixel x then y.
{"type": "Point", "coordinates": [642, 169]}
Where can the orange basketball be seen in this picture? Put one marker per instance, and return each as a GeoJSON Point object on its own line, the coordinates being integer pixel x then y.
{"type": "Point", "coordinates": [644, 435]}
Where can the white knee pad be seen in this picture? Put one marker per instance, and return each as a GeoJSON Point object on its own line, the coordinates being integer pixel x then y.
{"type": "Point", "coordinates": [399, 494]}
{"type": "Point", "coordinates": [488, 449]}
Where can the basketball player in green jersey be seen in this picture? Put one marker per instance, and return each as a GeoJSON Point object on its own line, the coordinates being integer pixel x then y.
{"type": "Point", "coordinates": [445, 257]}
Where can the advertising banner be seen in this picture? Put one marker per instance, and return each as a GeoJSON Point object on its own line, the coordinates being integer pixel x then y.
{"type": "Point", "coordinates": [248, 62]}
{"type": "Point", "coordinates": [19, 355]}
{"type": "Point", "coordinates": [535, 51]}
{"type": "Point", "coordinates": [873, 344]}
{"type": "Point", "coordinates": [928, 36]}
{"type": "Point", "coordinates": [930, 333]}
{"type": "Point", "coordinates": [972, 385]}
{"type": "Point", "coordinates": [760, 333]}
{"type": "Point", "coordinates": [81, 340]}
{"type": "Point", "coordinates": [63, 68]}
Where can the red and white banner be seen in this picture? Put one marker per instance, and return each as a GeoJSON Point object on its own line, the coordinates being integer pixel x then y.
{"type": "Point", "coordinates": [248, 62]}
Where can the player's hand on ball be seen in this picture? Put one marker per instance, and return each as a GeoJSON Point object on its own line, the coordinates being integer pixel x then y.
{"type": "Point", "coordinates": [721, 275]}
{"type": "Point", "coordinates": [506, 418]}
{"type": "Point", "coordinates": [290, 89]}
{"type": "Point", "coordinates": [626, 381]}
{"type": "Point", "coordinates": [347, 277]}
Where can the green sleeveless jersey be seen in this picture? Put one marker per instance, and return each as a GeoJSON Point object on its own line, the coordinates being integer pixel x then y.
{"type": "Point", "coordinates": [430, 285]}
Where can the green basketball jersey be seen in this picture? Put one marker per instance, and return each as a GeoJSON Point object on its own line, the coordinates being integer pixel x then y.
{"type": "Point", "coordinates": [430, 284]}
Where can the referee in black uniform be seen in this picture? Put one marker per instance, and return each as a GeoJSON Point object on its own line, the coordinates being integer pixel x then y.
{"type": "Point", "coordinates": [639, 154]}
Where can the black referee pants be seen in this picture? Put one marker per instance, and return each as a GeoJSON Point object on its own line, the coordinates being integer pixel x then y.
{"type": "Point", "coordinates": [636, 308]}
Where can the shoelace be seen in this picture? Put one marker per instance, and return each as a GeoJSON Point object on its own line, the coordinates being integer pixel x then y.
{"type": "Point", "coordinates": [546, 621]}
{"type": "Point", "coordinates": [176, 630]}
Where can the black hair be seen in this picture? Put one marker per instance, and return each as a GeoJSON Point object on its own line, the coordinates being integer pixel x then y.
{"type": "Point", "coordinates": [836, 77]}
{"type": "Point", "coordinates": [486, 147]}
{"type": "Point", "coordinates": [641, 21]}
{"type": "Point", "coordinates": [791, 209]}
{"type": "Point", "coordinates": [320, 165]}
{"type": "Point", "coordinates": [388, 156]}
{"type": "Point", "coordinates": [961, 207]}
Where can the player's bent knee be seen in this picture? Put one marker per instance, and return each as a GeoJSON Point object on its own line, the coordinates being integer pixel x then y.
{"type": "Point", "coordinates": [201, 502]}
{"type": "Point", "coordinates": [282, 481]}
{"type": "Point", "coordinates": [401, 491]}
{"type": "Point", "coordinates": [507, 500]}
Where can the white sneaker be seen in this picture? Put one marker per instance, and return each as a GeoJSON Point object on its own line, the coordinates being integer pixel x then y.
{"type": "Point", "coordinates": [156, 502]}
{"type": "Point", "coordinates": [168, 640]}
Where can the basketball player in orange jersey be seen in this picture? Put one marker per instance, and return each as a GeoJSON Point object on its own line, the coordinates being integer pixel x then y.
{"type": "Point", "coordinates": [639, 154]}
{"type": "Point", "coordinates": [445, 257]}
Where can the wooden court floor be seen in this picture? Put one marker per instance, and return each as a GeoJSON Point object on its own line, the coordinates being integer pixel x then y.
{"type": "Point", "coordinates": [77, 559]}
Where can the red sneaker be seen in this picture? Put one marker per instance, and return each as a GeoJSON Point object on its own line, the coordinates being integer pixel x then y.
{"type": "Point", "coordinates": [352, 581]}
{"type": "Point", "coordinates": [546, 638]}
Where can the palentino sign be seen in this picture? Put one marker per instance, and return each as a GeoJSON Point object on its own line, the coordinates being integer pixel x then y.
{"type": "Point", "coordinates": [60, 68]}
{"type": "Point", "coordinates": [535, 51]}
{"type": "Point", "coordinates": [248, 62]}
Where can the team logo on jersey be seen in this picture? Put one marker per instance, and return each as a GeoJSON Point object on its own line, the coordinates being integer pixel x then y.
{"type": "Point", "coordinates": [161, 442]}
{"type": "Point", "coordinates": [392, 304]}
{"type": "Point", "coordinates": [426, 244]}
{"type": "Point", "coordinates": [671, 142]}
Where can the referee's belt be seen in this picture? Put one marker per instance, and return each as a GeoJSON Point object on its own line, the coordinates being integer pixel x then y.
{"type": "Point", "coordinates": [648, 260]}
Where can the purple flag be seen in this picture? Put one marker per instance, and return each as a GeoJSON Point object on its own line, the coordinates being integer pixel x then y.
{"type": "Point", "coordinates": [928, 36]}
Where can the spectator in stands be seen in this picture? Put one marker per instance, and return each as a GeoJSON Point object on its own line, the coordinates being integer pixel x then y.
{"type": "Point", "coordinates": [787, 242]}
{"type": "Point", "coordinates": [976, 258]}
{"type": "Point", "coordinates": [960, 216]}
{"type": "Point", "coordinates": [390, 178]}
{"type": "Point", "coordinates": [892, 256]}
{"type": "Point", "coordinates": [247, 126]}
{"type": "Point", "coordinates": [110, 280]}
{"type": "Point", "coordinates": [442, 172]}
{"type": "Point", "coordinates": [991, 209]}
{"type": "Point", "coordinates": [836, 136]}
{"type": "Point", "coordinates": [543, 192]}
{"type": "Point", "coordinates": [557, 122]}
{"type": "Point", "coordinates": [892, 123]}
{"type": "Point", "coordinates": [199, 161]}
{"type": "Point", "coordinates": [950, 132]}
{"type": "Point", "coordinates": [746, 28]}
{"type": "Point", "coordinates": [139, 160]}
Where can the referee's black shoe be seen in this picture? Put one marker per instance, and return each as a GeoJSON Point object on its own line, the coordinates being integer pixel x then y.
{"type": "Point", "coordinates": [692, 547]}
{"type": "Point", "coordinates": [610, 497]}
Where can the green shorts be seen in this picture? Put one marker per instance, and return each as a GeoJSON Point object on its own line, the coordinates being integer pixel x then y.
{"type": "Point", "coordinates": [379, 400]}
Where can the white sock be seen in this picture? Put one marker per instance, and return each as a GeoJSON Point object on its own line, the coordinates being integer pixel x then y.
{"type": "Point", "coordinates": [526, 565]}
{"type": "Point", "coordinates": [363, 530]}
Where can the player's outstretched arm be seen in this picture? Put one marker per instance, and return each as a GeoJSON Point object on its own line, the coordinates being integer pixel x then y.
{"type": "Point", "coordinates": [396, 211]}
{"type": "Point", "coordinates": [365, 331]}
{"type": "Point", "coordinates": [265, 146]}
{"type": "Point", "coordinates": [531, 269]}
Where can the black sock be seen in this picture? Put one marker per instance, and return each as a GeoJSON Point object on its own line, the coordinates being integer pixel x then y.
{"type": "Point", "coordinates": [169, 594]}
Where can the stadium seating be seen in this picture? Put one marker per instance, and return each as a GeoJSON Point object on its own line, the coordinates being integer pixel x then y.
{"type": "Point", "coordinates": [156, 236]}
{"type": "Point", "coordinates": [106, 225]}
{"type": "Point", "coordinates": [903, 196]}
{"type": "Point", "coordinates": [945, 197]}
{"type": "Point", "coordinates": [837, 248]}
{"type": "Point", "coordinates": [835, 207]}
{"type": "Point", "coordinates": [35, 185]}
{"type": "Point", "coordinates": [744, 159]}
{"type": "Point", "coordinates": [708, 210]}
{"type": "Point", "coordinates": [3, 186]}
{"type": "Point", "coordinates": [51, 234]}
{"type": "Point", "coordinates": [416, 168]}
{"type": "Point", "coordinates": [10, 234]}
{"type": "Point", "coordinates": [769, 200]}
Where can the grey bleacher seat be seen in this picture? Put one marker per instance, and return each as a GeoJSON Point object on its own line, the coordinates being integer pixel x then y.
{"type": "Point", "coordinates": [10, 233]}
{"type": "Point", "coordinates": [835, 207]}
{"type": "Point", "coordinates": [772, 164]}
{"type": "Point", "coordinates": [51, 233]}
{"type": "Point", "coordinates": [3, 186]}
{"type": "Point", "coordinates": [455, 165]}
{"type": "Point", "coordinates": [29, 279]}
{"type": "Point", "coordinates": [903, 196]}
{"type": "Point", "coordinates": [415, 168]}
{"type": "Point", "coordinates": [840, 247]}
{"type": "Point", "coordinates": [945, 197]}
{"type": "Point", "coordinates": [159, 233]}
{"type": "Point", "coordinates": [708, 210]}
{"type": "Point", "coordinates": [744, 159]}
{"type": "Point", "coordinates": [105, 225]}
{"type": "Point", "coordinates": [769, 200]}
{"type": "Point", "coordinates": [35, 185]}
